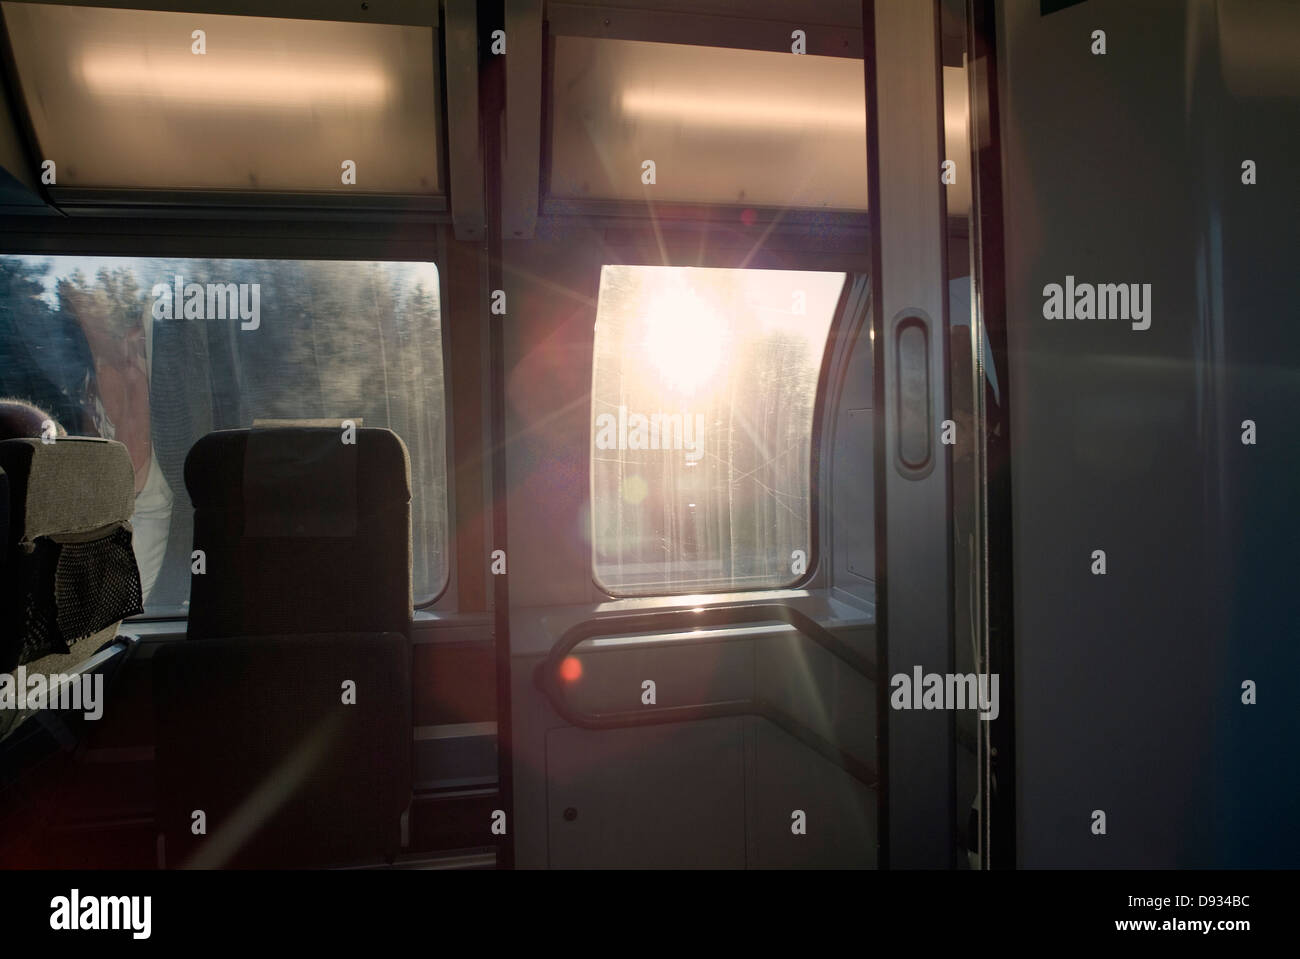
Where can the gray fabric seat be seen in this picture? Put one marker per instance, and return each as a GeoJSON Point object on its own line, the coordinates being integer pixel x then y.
{"type": "Point", "coordinates": [285, 718]}
{"type": "Point", "coordinates": [70, 575]}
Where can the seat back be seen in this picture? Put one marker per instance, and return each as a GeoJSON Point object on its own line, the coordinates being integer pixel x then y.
{"type": "Point", "coordinates": [284, 723]}
{"type": "Point", "coordinates": [283, 751]}
{"type": "Point", "coordinates": [300, 532]}
{"type": "Point", "coordinates": [70, 575]}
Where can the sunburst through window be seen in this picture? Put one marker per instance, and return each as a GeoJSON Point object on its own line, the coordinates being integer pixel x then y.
{"type": "Point", "coordinates": [704, 386]}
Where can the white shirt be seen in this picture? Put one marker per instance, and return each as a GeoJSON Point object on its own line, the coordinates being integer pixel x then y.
{"type": "Point", "coordinates": [152, 519]}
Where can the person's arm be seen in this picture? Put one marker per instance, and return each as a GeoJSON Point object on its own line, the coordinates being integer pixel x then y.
{"type": "Point", "coordinates": [121, 370]}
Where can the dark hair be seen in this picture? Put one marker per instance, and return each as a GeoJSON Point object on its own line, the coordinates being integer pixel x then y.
{"type": "Point", "coordinates": [19, 419]}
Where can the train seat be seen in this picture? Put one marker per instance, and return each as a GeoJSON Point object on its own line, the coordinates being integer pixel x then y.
{"type": "Point", "coordinates": [70, 575]}
{"type": "Point", "coordinates": [284, 721]}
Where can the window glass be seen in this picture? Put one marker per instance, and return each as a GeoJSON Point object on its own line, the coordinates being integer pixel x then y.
{"type": "Point", "coordinates": [753, 128]}
{"type": "Point", "coordinates": [165, 100]}
{"type": "Point", "coordinates": [704, 386]}
{"type": "Point", "coordinates": [99, 344]}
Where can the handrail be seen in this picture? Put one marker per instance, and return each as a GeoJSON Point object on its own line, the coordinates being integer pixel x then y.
{"type": "Point", "coordinates": [550, 682]}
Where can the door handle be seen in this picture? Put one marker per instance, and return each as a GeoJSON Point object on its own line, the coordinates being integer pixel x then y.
{"type": "Point", "coordinates": [913, 417]}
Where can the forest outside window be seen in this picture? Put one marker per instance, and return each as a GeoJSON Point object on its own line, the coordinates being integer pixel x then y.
{"type": "Point", "coordinates": [107, 347]}
{"type": "Point", "coordinates": [704, 388]}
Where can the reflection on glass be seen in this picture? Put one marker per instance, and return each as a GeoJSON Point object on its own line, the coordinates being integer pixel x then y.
{"type": "Point", "coordinates": [147, 99]}
{"type": "Point", "coordinates": [746, 127]}
{"type": "Point", "coordinates": [967, 345]}
{"type": "Point", "coordinates": [155, 353]}
{"type": "Point", "coordinates": [704, 383]}
{"type": "Point", "coordinates": [956, 139]}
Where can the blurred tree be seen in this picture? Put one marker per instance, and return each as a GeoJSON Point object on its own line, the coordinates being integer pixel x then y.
{"type": "Point", "coordinates": [44, 357]}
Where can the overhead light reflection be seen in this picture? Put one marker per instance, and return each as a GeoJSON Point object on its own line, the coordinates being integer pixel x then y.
{"type": "Point", "coordinates": [190, 79]}
{"type": "Point", "coordinates": [752, 112]}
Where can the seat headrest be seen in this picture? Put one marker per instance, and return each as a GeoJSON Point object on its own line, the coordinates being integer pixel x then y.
{"type": "Point", "coordinates": [302, 529]}
{"type": "Point", "coordinates": [299, 481]}
{"type": "Point", "coordinates": [71, 486]}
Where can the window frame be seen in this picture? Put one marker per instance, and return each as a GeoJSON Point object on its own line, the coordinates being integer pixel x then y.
{"type": "Point", "coordinates": [312, 238]}
{"type": "Point", "coordinates": [841, 324]}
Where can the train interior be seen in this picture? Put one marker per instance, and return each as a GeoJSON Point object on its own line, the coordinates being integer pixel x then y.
{"type": "Point", "coordinates": [609, 434]}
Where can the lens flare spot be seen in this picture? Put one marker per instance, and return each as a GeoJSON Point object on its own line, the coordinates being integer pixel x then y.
{"type": "Point", "coordinates": [571, 669]}
{"type": "Point", "coordinates": [635, 489]}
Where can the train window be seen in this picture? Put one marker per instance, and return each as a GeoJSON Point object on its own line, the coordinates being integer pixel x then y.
{"type": "Point", "coordinates": [157, 352]}
{"type": "Point", "coordinates": [703, 388]}
{"type": "Point", "coordinates": [171, 101]}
